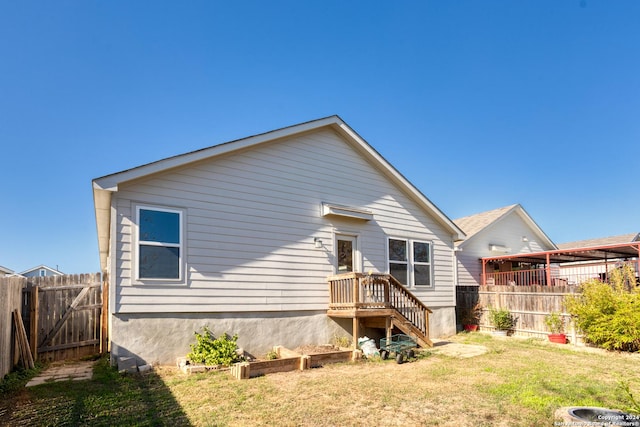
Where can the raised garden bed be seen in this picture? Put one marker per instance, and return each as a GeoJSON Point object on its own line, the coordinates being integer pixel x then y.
{"type": "Point", "coordinates": [187, 368]}
{"type": "Point", "coordinates": [289, 360]}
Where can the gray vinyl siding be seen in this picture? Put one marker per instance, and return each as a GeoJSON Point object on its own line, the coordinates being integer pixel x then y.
{"type": "Point", "coordinates": [250, 220]}
{"type": "Point", "coordinates": [506, 232]}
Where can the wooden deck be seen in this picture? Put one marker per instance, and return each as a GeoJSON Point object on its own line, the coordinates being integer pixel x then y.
{"type": "Point", "coordinates": [378, 298]}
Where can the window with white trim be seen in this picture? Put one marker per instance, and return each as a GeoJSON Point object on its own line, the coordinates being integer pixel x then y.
{"type": "Point", "coordinates": [160, 241]}
{"type": "Point", "coordinates": [410, 261]}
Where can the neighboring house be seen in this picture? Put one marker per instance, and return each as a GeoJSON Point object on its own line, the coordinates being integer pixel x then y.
{"type": "Point", "coordinates": [502, 231]}
{"type": "Point", "coordinates": [41, 271]}
{"type": "Point", "coordinates": [4, 271]}
{"type": "Point", "coordinates": [242, 237]}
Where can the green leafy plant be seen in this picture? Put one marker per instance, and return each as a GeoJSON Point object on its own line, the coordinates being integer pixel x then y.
{"type": "Point", "coordinates": [341, 341]}
{"type": "Point", "coordinates": [501, 318]}
{"type": "Point", "coordinates": [214, 351]}
{"type": "Point", "coordinates": [272, 355]}
{"type": "Point", "coordinates": [632, 401]}
{"type": "Point", "coordinates": [555, 323]}
{"type": "Point", "coordinates": [607, 314]}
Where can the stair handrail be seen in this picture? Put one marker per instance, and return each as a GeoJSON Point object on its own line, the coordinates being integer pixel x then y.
{"type": "Point", "coordinates": [408, 305]}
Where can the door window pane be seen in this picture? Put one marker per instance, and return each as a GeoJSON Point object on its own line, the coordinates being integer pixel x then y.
{"type": "Point", "coordinates": [345, 256]}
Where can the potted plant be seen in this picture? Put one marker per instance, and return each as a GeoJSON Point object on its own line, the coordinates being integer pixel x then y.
{"type": "Point", "coordinates": [501, 319]}
{"type": "Point", "coordinates": [555, 324]}
{"type": "Point", "coordinates": [470, 316]}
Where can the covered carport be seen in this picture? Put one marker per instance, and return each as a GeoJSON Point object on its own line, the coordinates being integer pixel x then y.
{"type": "Point", "coordinates": [559, 267]}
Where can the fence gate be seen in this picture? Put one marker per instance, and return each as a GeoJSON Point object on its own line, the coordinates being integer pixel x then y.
{"type": "Point", "coordinates": [64, 316]}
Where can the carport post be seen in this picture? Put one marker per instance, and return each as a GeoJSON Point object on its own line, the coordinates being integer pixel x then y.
{"type": "Point", "coordinates": [638, 262]}
{"type": "Point", "coordinates": [483, 281]}
{"type": "Point", "coordinates": [548, 270]}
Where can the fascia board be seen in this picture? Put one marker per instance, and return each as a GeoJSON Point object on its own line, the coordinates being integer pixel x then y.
{"type": "Point", "coordinates": [102, 210]}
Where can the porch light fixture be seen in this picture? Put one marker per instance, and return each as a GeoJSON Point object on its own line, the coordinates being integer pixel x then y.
{"type": "Point", "coordinates": [525, 239]}
{"type": "Point", "coordinates": [317, 242]}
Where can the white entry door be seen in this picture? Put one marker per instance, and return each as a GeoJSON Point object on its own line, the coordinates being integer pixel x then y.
{"type": "Point", "coordinates": [347, 254]}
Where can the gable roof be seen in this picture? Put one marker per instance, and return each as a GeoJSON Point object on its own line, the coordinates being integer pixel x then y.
{"type": "Point", "coordinates": [42, 266]}
{"type": "Point", "coordinates": [473, 224]}
{"type": "Point", "coordinates": [603, 241]}
{"type": "Point", "coordinates": [5, 270]}
{"type": "Point", "coordinates": [104, 187]}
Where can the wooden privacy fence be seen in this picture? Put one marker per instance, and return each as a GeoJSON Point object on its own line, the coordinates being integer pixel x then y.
{"type": "Point", "coordinates": [529, 305]}
{"type": "Point", "coordinates": [10, 300]}
{"type": "Point", "coordinates": [63, 315]}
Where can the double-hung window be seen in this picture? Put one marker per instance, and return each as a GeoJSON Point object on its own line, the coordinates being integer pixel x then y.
{"type": "Point", "coordinates": [160, 243]}
{"type": "Point", "coordinates": [421, 263]}
{"type": "Point", "coordinates": [410, 262]}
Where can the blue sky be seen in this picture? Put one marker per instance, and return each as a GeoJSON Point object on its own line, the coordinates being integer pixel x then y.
{"type": "Point", "coordinates": [480, 104]}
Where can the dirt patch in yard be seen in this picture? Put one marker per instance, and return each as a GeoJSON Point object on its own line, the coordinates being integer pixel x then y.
{"type": "Point", "coordinates": [316, 349]}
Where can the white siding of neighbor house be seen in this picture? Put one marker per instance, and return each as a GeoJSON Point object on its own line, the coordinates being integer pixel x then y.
{"type": "Point", "coordinates": [250, 220]}
{"type": "Point", "coordinates": [507, 232]}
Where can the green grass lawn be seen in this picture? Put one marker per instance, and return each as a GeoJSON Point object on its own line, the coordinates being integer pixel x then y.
{"type": "Point", "coordinates": [516, 383]}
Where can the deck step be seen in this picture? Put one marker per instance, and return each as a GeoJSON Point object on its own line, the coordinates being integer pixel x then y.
{"type": "Point", "coordinates": [399, 321]}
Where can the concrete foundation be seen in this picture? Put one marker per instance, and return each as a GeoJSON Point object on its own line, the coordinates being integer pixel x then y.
{"type": "Point", "coordinates": [159, 338]}
{"type": "Point", "coordinates": [442, 322]}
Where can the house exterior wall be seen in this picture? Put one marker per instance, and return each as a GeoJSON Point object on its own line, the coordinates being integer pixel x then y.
{"type": "Point", "coordinates": [250, 219]}
{"type": "Point", "coordinates": [506, 232]}
{"type": "Point", "coordinates": [39, 272]}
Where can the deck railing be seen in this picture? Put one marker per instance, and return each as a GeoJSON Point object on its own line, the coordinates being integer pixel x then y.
{"type": "Point", "coordinates": [360, 291]}
{"type": "Point", "coordinates": [537, 277]}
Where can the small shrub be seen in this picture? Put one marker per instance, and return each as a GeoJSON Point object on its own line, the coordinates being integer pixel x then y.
{"type": "Point", "coordinates": [501, 318]}
{"type": "Point", "coordinates": [16, 380]}
{"type": "Point", "coordinates": [214, 351]}
{"type": "Point", "coordinates": [555, 323]}
{"type": "Point", "coordinates": [341, 341]}
{"type": "Point", "coordinates": [272, 355]}
{"type": "Point", "coordinates": [607, 314]}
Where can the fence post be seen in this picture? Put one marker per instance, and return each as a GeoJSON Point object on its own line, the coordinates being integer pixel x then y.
{"type": "Point", "coordinates": [33, 333]}
{"type": "Point", "coordinates": [104, 315]}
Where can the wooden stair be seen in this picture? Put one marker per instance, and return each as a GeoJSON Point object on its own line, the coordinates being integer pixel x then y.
{"type": "Point", "coordinates": [381, 297]}
{"type": "Point", "coordinates": [408, 328]}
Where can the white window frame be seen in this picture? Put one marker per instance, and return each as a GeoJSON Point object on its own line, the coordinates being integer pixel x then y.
{"type": "Point", "coordinates": [410, 262]}
{"type": "Point", "coordinates": [414, 263]}
{"type": "Point", "coordinates": [180, 245]}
